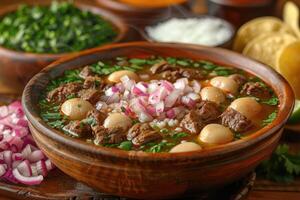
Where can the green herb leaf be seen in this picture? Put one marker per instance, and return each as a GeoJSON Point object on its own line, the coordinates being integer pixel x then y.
{"type": "Point", "coordinates": [270, 118]}
{"type": "Point", "coordinates": [273, 101]}
{"type": "Point", "coordinates": [126, 145]}
{"type": "Point", "coordinates": [160, 147]}
{"type": "Point", "coordinates": [58, 28]}
{"type": "Point", "coordinates": [138, 61]}
{"type": "Point", "coordinates": [282, 166]}
{"type": "Point", "coordinates": [179, 135]}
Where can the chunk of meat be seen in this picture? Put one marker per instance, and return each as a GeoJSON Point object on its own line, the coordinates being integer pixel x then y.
{"type": "Point", "coordinates": [137, 129]}
{"type": "Point", "coordinates": [160, 67]}
{"type": "Point", "coordinates": [92, 95]}
{"type": "Point", "coordinates": [97, 116]}
{"type": "Point", "coordinates": [145, 137]}
{"type": "Point", "coordinates": [192, 122]}
{"type": "Point", "coordinates": [176, 73]}
{"type": "Point", "coordinates": [61, 93]}
{"type": "Point", "coordinates": [93, 82]}
{"type": "Point", "coordinates": [208, 111]}
{"type": "Point", "coordinates": [235, 120]}
{"type": "Point", "coordinates": [78, 129]}
{"type": "Point", "coordinates": [86, 72]}
{"type": "Point", "coordinates": [108, 136]}
{"type": "Point", "coordinates": [240, 79]}
{"type": "Point", "coordinates": [256, 89]}
{"type": "Point", "coordinates": [171, 76]}
{"type": "Point", "coordinates": [116, 136]}
{"type": "Point", "coordinates": [191, 73]}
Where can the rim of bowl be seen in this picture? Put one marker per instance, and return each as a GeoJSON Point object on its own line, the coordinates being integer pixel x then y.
{"type": "Point", "coordinates": [281, 87]}
{"type": "Point", "coordinates": [145, 35]}
{"type": "Point", "coordinates": [115, 20]}
{"type": "Point", "coordinates": [241, 4]}
{"type": "Point", "coordinates": [123, 7]}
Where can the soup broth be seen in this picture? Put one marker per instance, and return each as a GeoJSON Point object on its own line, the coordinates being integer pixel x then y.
{"type": "Point", "coordinates": [158, 104]}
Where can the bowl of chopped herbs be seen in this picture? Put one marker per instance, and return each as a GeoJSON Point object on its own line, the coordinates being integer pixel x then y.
{"type": "Point", "coordinates": [38, 33]}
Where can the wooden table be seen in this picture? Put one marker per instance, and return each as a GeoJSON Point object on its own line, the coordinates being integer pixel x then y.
{"type": "Point", "coordinates": [263, 189]}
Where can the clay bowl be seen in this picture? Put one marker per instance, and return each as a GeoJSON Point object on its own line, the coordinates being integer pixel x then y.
{"type": "Point", "coordinates": [227, 44]}
{"type": "Point", "coordinates": [140, 16]}
{"type": "Point", "coordinates": [162, 175]}
{"type": "Point", "coordinates": [16, 68]}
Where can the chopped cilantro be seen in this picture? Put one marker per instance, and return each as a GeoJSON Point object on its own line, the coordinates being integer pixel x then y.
{"type": "Point", "coordinates": [273, 101]}
{"type": "Point", "coordinates": [160, 147]}
{"type": "Point", "coordinates": [126, 145]}
{"type": "Point", "coordinates": [179, 135]}
{"type": "Point", "coordinates": [138, 61]}
{"type": "Point", "coordinates": [282, 166]}
{"type": "Point", "coordinates": [270, 119]}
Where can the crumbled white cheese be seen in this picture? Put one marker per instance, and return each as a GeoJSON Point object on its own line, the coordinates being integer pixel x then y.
{"type": "Point", "coordinates": [205, 31]}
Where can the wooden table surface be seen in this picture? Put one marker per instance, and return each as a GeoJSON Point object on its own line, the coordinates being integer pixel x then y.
{"type": "Point", "coordinates": [263, 189]}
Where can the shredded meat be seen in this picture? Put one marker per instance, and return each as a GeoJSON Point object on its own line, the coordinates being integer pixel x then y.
{"type": "Point", "coordinates": [142, 133]}
{"type": "Point", "coordinates": [208, 111]}
{"type": "Point", "coordinates": [240, 79]}
{"type": "Point", "coordinates": [61, 93]}
{"type": "Point", "coordinates": [137, 129]}
{"type": "Point", "coordinates": [256, 90]}
{"type": "Point", "coordinates": [108, 136]}
{"type": "Point", "coordinates": [191, 73]}
{"type": "Point", "coordinates": [85, 72]}
{"type": "Point", "coordinates": [92, 95]}
{"type": "Point", "coordinates": [145, 137]}
{"type": "Point", "coordinates": [93, 82]}
{"type": "Point", "coordinates": [160, 67]}
{"type": "Point", "coordinates": [98, 116]}
{"type": "Point", "coordinates": [235, 120]}
{"type": "Point", "coordinates": [171, 76]}
{"type": "Point", "coordinates": [192, 122]}
{"type": "Point", "coordinates": [78, 129]}
{"type": "Point", "coordinates": [116, 136]}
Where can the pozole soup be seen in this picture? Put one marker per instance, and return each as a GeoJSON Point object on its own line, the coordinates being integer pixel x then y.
{"type": "Point", "coordinates": [158, 104]}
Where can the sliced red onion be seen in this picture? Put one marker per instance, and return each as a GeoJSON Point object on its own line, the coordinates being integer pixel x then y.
{"type": "Point", "coordinates": [2, 169]}
{"type": "Point", "coordinates": [180, 84]}
{"type": "Point", "coordinates": [41, 168]}
{"type": "Point", "coordinates": [110, 91]}
{"type": "Point", "coordinates": [113, 99]}
{"type": "Point", "coordinates": [196, 86]}
{"type": "Point", "coordinates": [36, 156]}
{"type": "Point", "coordinates": [171, 114]}
{"type": "Point", "coordinates": [145, 117]}
{"type": "Point", "coordinates": [100, 105]}
{"type": "Point", "coordinates": [4, 111]}
{"type": "Point", "coordinates": [159, 108]}
{"type": "Point", "coordinates": [49, 165]}
{"type": "Point", "coordinates": [172, 98]}
{"type": "Point", "coordinates": [152, 87]}
{"type": "Point", "coordinates": [18, 150]}
{"type": "Point", "coordinates": [36, 180]}
{"type": "Point", "coordinates": [7, 156]}
{"type": "Point", "coordinates": [193, 96]}
{"type": "Point", "coordinates": [138, 92]}
{"type": "Point", "coordinates": [158, 96]}
{"type": "Point", "coordinates": [188, 101]}
{"type": "Point", "coordinates": [25, 168]}
{"type": "Point", "coordinates": [151, 110]}
{"type": "Point", "coordinates": [169, 86]}
{"type": "Point", "coordinates": [127, 83]}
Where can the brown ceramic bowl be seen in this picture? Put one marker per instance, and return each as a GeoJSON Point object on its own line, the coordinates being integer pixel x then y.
{"type": "Point", "coordinates": [227, 44]}
{"type": "Point", "coordinates": [16, 68]}
{"type": "Point", "coordinates": [140, 16]}
{"type": "Point", "coordinates": [161, 175]}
